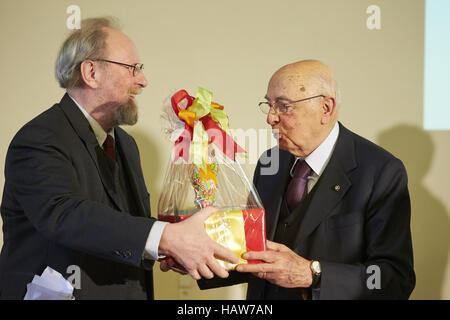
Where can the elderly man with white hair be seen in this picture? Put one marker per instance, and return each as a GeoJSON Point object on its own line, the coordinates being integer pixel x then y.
{"type": "Point", "coordinates": [338, 209]}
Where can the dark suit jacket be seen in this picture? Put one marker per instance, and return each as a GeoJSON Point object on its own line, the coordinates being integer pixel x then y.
{"type": "Point", "coordinates": [363, 222]}
{"type": "Point", "coordinates": [60, 209]}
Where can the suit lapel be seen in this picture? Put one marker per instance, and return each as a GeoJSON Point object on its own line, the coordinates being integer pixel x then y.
{"type": "Point", "coordinates": [85, 132]}
{"type": "Point", "coordinates": [331, 186]}
{"type": "Point", "coordinates": [126, 153]}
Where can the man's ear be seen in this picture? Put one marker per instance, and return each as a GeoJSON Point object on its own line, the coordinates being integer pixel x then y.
{"type": "Point", "coordinates": [89, 73]}
{"type": "Point", "coordinates": [329, 109]}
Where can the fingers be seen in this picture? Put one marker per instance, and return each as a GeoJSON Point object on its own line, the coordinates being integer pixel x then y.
{"type": "Point", "coordinates": [168, 264]}
{"type": "Point", "coordinates": [205, 272]}
{"type": "Point", "coordinates": [175, 266]}
{"type": "Point", "coordinates": [269, 276]}
{"type": "Point", "coordinates": [255, 268]}
{"type": "Point", "coordinates": [164, 266]}
{"type": "Point", "coordinates": [217, 268]}
{"type": "Point", "coordinates": [266, 256]}
{"type": "Point", "coordinates": [189, 244]}
{"type": "Point", "coordinates": [224, 254]}
{"type": "Point", "coordinates": [208, 271]}
{"type": "Point", "coordinates": [194, 274]}
{"type": "Point", "coordinates": [276, 246]}
{"type": "Point", "coordinates": [205, 213]}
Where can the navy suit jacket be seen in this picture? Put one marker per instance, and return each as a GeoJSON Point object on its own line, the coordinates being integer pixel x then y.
{"type": "Point", "coordinates": [358, 217]}
{"type": "Point", "coordinates": [60, 208]}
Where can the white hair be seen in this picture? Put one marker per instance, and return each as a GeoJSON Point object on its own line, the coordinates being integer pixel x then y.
{"type": "Point", "coordinates": [329, 87]}
{"type": "Point", "coordinates": [338, 95]}
{"type": "Point", "coordinates": [88, 42]}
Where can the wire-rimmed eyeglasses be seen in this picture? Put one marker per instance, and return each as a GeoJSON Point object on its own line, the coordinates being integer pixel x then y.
{"type": "Point", "coordinates": [136, 67]}
{"type": "Point", "coordinates": [281, 107]}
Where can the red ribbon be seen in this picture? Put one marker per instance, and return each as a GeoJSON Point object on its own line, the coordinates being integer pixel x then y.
{"type": "Point", "coordinates": [216, 134]}
{"type": "Point", "coordinates": [183, 143]}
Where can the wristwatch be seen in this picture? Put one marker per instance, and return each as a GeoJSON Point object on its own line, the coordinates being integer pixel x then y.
{"type": "Point", "coordinates": [316, 272]}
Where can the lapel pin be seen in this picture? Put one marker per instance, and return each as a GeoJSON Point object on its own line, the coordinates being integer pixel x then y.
{"type": "Point", "coordinates": [337, 187]}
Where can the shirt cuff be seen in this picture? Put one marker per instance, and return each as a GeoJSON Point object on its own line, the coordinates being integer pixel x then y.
{"type": "Point", "coordinates": [152, 244]}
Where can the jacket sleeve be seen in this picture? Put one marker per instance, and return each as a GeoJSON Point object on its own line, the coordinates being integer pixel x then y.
{"type": "Point", "coordinates": [45, 183]}
{"type": "Point", "coordinates": [387, 272]}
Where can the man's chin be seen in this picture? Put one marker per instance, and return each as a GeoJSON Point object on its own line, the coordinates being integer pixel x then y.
{"type": "Point", "coordinates": [127, 114]}
{"type": "Point", "coordinates": [289, 147]}
{"type": "Point", "coordinates": [283, 145]}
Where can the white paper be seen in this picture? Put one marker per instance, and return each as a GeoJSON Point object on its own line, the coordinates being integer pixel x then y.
{"type": "Point", "coordinates": [51, 285]}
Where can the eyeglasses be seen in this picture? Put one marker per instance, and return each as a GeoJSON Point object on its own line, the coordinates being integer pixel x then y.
{"type": "Point", "coordinates": [136, 67]}
{"type": "Point", "coordinates": [280, 107]}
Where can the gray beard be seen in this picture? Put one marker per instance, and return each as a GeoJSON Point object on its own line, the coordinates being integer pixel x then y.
{"type": "Point", "coordinates": [127, 114]}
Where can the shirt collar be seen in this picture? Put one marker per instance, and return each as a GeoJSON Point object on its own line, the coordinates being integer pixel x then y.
{"type": "Point", "coordinates": [100, 134]}
{"type": "Point", "coordinates": [319, 158]}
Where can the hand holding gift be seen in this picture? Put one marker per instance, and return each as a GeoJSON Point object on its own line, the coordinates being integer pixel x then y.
{"type": "Point", "coordinates": [188, 244]}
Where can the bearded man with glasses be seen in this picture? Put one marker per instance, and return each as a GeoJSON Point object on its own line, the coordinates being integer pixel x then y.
{"type": "Point", "coordinates": [74, 190]}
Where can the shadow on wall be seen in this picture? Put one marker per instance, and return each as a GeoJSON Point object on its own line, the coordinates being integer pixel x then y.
{"type": "Point", "coordinates": [430, 223]}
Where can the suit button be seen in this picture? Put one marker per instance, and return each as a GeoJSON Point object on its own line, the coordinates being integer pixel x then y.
{"type": "Point", "coordinates": [117, 253]}
{"type": "Point", "coordinates": [127, 254]}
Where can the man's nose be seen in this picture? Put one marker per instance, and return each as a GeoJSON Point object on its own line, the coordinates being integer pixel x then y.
{"type": "Point", "coordinates": [141, 79]}
{"type": "Point", "coordinates": [272, 118]}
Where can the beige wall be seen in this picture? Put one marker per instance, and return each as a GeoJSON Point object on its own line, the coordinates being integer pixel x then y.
{"type": "Point", "coordinates": [232, 47]}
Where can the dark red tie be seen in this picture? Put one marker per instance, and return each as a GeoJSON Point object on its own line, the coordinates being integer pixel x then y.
{"type": "Point", "coordinates": [108, 146]}
{"type": "Point", "coordinates": [297, 187]}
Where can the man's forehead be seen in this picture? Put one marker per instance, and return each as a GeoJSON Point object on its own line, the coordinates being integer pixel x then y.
{"type": "Point", "coordinates": [118, 43]}
{"type": "Point", "coordinates": [298, 79]}
{"type": "Point", "coordinates": [117, 38]}
{"type": "Point", "coordinates": [288, 80]}
{"type": "Point", "coordinates": [283, 85]}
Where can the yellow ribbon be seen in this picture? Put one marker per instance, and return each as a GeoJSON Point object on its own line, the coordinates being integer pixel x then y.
{"type": "Point", "coordinates": [188, 116]}
{"type": "Point", "coordinates": [209, 174]}
{"type": "Point", "coordinates": [199, 147]}
{"type": "Point", "coordinates": [201, 107]}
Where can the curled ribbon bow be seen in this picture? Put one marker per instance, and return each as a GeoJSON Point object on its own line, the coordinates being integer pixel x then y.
{"type": "Point", "coordinates": [211, 127]}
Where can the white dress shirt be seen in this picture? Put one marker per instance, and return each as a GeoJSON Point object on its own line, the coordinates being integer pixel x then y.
{"type": "Point", "coordinates": [319, 158]}
{"type": "Point", "coordinates": [154, 237]}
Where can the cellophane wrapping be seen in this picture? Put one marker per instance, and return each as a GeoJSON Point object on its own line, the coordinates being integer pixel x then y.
{"type": "Point", "coordinates": [216, 180]}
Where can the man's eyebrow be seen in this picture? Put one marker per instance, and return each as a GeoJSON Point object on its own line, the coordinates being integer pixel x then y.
{"type": "Point", "coordinates": [278, 98]}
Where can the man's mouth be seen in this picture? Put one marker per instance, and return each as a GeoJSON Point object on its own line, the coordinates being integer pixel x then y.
{"type": "Point", "coordinates": [133, 93]}
{"type": "Point", "coordinates": [276, 134]}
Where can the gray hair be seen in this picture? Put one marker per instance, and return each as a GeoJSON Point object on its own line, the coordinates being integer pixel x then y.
{"type": "Point", "coordinates": [338, 96]}
{"type": "Point", "coordinates": [330, 87]}
{"type": "Point", "coordinates": [88, 42]}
